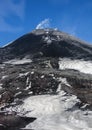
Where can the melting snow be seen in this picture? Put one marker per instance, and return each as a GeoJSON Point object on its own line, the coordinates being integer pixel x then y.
{"type": "Point", "coordinates": [55, 112]}
{"type": "Point", "coordinates": [30, 92]}
{"type": "Point", "coordinates": [23, 74]}
{"type": "Point", "coordinates": [64, 81]}
{"type": "Point", "coordinates": [42, 76]}
{"type": "Point", "coordinates": [5, 76]}
{"type": "Point", "coordinates": [32, 72]}
{"type": "Point", "coordinates": [18, 94]}
{"type": "Point", "coordinates": [27, 80]}
{"type": "Point", "coordinates": [17, 88]}
{"type": "Point", "coordinates": [17, 61]}
{"type": "Point", "coordinates": [81, 65]}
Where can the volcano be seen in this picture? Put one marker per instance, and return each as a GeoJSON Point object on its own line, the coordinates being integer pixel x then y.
{"type": "Point", "coordinates": [47, 75]}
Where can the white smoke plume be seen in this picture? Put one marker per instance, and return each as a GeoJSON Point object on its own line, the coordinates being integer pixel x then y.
{"type": "Point", "coordinates": [43, 24]}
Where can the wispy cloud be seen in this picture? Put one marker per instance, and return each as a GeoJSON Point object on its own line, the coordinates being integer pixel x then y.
{"type": "Point", "coordinates": [10, 8]}
{"type": "Point", "coordinates": [44, 24]}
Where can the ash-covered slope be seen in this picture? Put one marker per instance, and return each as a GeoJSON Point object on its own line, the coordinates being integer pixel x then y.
{"type": "Point", "coordinates": [46, 75]}
{"type": "Point", "coordinates": [45, 51]}
{"type": "Point", "coordinates": [49, 43]}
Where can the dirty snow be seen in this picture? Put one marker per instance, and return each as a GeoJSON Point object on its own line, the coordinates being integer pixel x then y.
{"type": "Point", "coordinates": [81, 65]}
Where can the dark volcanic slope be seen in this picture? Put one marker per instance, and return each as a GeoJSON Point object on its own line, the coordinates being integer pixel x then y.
{"type": "Point", "coordinates": [47, 42]}
{"type": "Point", "coordinates": [44, 47]}
{"type": "Point", "coordinates": [36, 70]}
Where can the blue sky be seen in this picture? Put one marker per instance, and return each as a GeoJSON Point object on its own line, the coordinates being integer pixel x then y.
{"type": "Point", "coordinates": [18, 17]}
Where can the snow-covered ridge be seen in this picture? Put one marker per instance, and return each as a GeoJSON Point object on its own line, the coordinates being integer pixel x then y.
{"type": "Point", "coordinates": [80, 65]}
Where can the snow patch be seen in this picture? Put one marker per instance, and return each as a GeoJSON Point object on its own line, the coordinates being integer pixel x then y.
{"type": "Point", "coordinates": [18, 61]}
{"type": "Point", "coordinates": [5, 76]}
{"type": "Point", "coordinates": [17, 88]}
{"type": "Point", "coordinates": [62, 81]}
{"type": "Point", "coordinates": [30, 92]}
{"type": "Point", "coordinates": [80, 65]}
{"type": "Point", "coordinates": [27, 80]}
{"type": "Point", "coordinates": [23, 74]}
{"type": "Point", "coordinates": [32, 72]}
{"type": "Point", "coordinates": [28, 87]}
{"type": "Point", "coordinates": [18, 94]}
{"type": "Point", "coordinates": [42, 76]}
{"type": "Point", "coordinates": [47, 39]}
{"type": "Point", "coordinates": [55, 112]}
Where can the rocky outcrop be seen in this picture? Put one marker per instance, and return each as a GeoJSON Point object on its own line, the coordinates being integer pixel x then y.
{"type": "Point", "coordinates": [13, 121]}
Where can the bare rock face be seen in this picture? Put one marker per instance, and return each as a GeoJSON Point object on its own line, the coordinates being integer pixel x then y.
{"type": "Point", "coordinates": [13, 121]}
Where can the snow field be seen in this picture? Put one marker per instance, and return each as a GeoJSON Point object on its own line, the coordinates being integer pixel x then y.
{"type": "Point", "coordinates": [55, 112]}
{"type": "Point", "coordinates": [81, 65]}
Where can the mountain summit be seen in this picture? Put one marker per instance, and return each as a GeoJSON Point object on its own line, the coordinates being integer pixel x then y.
{"type": "Point", "coordinates": [47, 43]}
